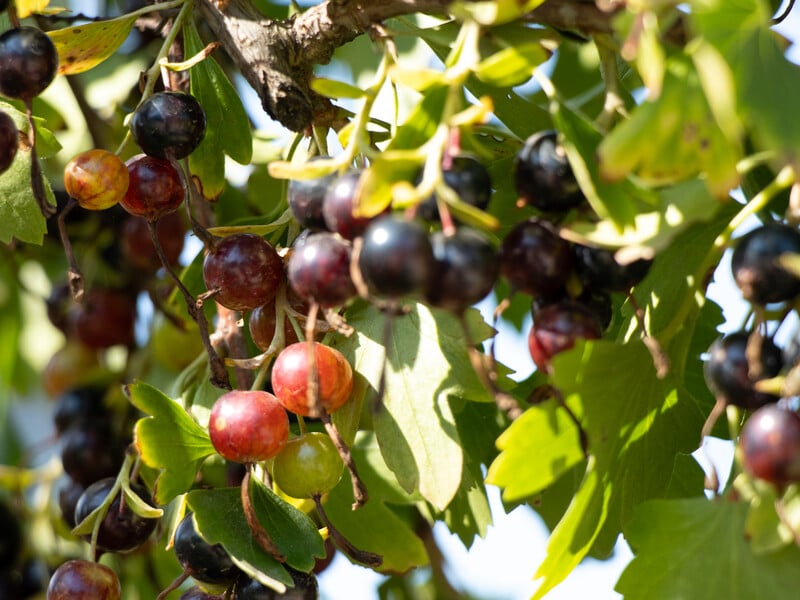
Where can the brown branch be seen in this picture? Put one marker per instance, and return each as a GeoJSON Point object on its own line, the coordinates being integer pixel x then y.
{"type": "Point", "coordinates": [277, 57]}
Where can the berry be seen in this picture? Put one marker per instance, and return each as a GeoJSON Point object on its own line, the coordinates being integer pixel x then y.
{"type": "Point", "coordinates": [306, 198]}
{"type": "Point", "coordinates": [305, 588]}
{"type": "Point", "coordinates": [207, 563]}
{"type": "Point", "coordinates": [770, 444]}
{"type": "Point", "coordinates": [396, 258]}
{"type": "Point", "coordinates": [727, 371]}
{"type": "Point", "coordinates": [76, 405]}
{"type": "Point", "coordinates": [599, 270]}
{"type": "Point", "coordinates": [339, 204]}
{"type": "Point", "coordinates": [248, 426]}
{"type": "Point", "coordinates": [9, 141]}
{"type": "Point", "coordinates": [90, 451]}
{"type": "Point", "coordinates": [557, 327]}
{"type": "Point", "coordinates": [308, 466]}
{"type": "Point", "coordinates": [137, 244]}
{"type": "Point", "coordinates": [169, 125]}
{"type": "Point", "coordinates": [84, 580]}
{"type": "Point", "coordinates": [467, 267]}
{"type": "Point", "coordinates": [290, 378]}
{"type": "Point", "coordinates": [320, 270]}
{"type": "Point", "coordinates": [755, 265]}
{"type": "Point", "coordinates": [68, 496]}
{"type": "Point", "coordinates": [97, 179]}
{"type": "Point", "coordinates": [105, 318]}
{"type": "Point", "coordinates": [468, 178]}
{"type": "Point", "coordinates": [244, 269]}
{"type": "Point", "coordinates": [28, 62]}
{"type": "Point", "coordinates": [122, 530]}
{"type": "Point", "coordinates": [535, 260]}
{"type": "Point", "coordinates": [261, 322]}
{"type": "Point", "coordinates": [599, 302]}
{"type": "Point", "coordinates": [543, 175]}
{"type": "Point", "coordinates": [155, 187]}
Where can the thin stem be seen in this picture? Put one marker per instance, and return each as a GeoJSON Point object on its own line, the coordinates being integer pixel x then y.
{"type": "Point", "coordinates": [74, 276]}
{"type": "Point", "coordinates": [366, 558]}
{"type": "Point", "coordinates": [360, 494]}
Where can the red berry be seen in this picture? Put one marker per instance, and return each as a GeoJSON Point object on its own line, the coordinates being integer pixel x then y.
{"type": "Point", "coordinates": [770, 444]}
{"type": "Point", "coordinates": [97, 179]}
{"type": "Point", "coordinates": [84, 580]}
{"type": "Point", "coordinates": [155, 188]}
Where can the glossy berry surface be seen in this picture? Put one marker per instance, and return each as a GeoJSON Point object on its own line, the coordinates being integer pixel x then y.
{"type": "Point", "coordinates": [84, 580]}
{"type": "Point", "coordinates": [9, 141]}
{"type": "Point", "coordinates": [155, 187]}
{"type": "Point", "coordinates": [535, 260]}
{"type": "Point", "coordinates": [755, 265]}
{"type": "Point", "coordinates": [727, 371]}
{"type": "Point", "coordinates": [28, 62]}
{"type": "Point", "coordinates": [306, 198]}
{"type": "Point", "coordinates": [770, 445]}
{"type": "Point", "coordinates": [558, 327]}
{"type": "Point", "coordinates": [90, 451]}
{"type": "Point", "coordinates": [105, 318]}
{"type": "Point", "coordinates": [599, 270]}
{"type": "Point", "coordinates": [396, 258]}
{"type": "Point", "coordinates": [121, 530]}
{"type": "Point", "coordinates": [248, 426]}
{"type": "Point", "coordinates": [290, 378]}
{"type": "Point", "coordinates": [207, 563]}
{"type": "Point", "coordinates": [339, 204]}
{"type": "Point", "coordinates": [305, 588]}
{"type": "Point", "coordinates": [468, 178]}
{"type": "Point", "coordinates": [467, 266]}
{"type": "Point", "coordinates": [261, 325]}
{"type": "Point", "coordinates": [543, 175]}
{"type": "Point", "coordinates": [97, 179]}
{"type": "Point", "coordinates": [245, 269]}
{"type": "Point", "coordinates": [319, 270]}
{"type": "Point", "coordinates": [68, 495]}
{"type": "Point", "coordinates": [169, 125]}
{"type": "Point", "coordinates": [308, 466]}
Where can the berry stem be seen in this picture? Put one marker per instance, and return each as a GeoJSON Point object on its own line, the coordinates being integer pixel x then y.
{"type": "Point", "coordinates": [74, 276]}
{"type": "Point", "coordinates": [360, 494]}
{"type": "Point", "coordinates": [176, 583]}
{"type": "Point", "coordinates": [366, 558]}
{"type": "Point", "coordinates": [312, 392]}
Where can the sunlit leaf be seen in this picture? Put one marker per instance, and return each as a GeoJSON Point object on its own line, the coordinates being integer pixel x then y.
{"type": "Point", "coordinates": [494, 12]}
{"type": "Point", "coordinates": [333, 88]}
{"type": "Point", "coordinates": [82, 47]}
{"type": "Point", "coordinates": [25, 8]}
{"type": "Point", "coordinates": [511, 66]}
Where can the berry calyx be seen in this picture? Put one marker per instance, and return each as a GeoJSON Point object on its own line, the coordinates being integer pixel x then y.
{"type": "Point", "coordinates": [543, 175]}
{"type": "Point", "coordinates": [290, 377]}
{"type": "Point", "coordinates": [770, 445]}
{"type": "Point", "coordinates": [169, 125]}
{"type": "Point", "coordinates": [155, 187]}
{"type": "Point", "coordinates": [9, 141]}
{"type": "Point", "coordinates": [396, 258]}
{"type": "Point", "coordinates": [97, 179]}
{"type": "Point", "coordinates": [319, 270]}
{"type": "Point", "coordinates": [248, 426]}
{"type": "Point", "coordinates": [244, 270]}
{"type": "Point", "coordinates": [84, 580]}
{"type": "Point", "coordinates": [308, 466]}
{"type": "Point", "coordinates": [756, 268]}
{"type": "Point", "coordinates": [28, 62]}
{"type": "Point", "coordinates": [727, 370]}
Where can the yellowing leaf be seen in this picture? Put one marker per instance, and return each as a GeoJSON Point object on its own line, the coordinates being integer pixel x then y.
{"type": "Point", "coordinates": [83, 47]}
{"type": "Point", "coordinates": [25, 8]}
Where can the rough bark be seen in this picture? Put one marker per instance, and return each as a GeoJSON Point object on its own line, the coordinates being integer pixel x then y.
{"type": "Point", "coordinates": [277, 57]}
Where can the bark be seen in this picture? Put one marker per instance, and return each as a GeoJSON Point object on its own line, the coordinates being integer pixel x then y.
{"type": "Point", "coordinates": [277, 57]}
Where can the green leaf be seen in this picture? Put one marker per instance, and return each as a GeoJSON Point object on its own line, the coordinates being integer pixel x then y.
{"type": "Point", "coordinates": [227, 124]}
{"type": "Point", "coordinates": [382, 525]}
{"type": "Point", "coordinates": [293, 532]}
{"type": "Point", "coordinates": [427, 363]}
{"type": "Point", "coordinates": [169, 439]}
{"type": "Point", "coordinates": [220, 520]}
{"type": "Point", "coordinates": [696, 548]}
{"type": "Point", "coordinates": [20, 215]}
{"type": "Point", "coordinates": [511, 66]}
{"type": "Point", "coordinates": [683, 139]}
{"type": "Point", "coordinates": [545, 432]}
{"type": "Point", "coordinates": [494, 12]}
{"type": "Point", "coordinates": [82, 47]}
{"type": "Point", "coordinates": [332, 88]}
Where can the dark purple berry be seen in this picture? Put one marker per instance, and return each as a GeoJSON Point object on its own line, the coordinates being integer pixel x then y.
{"type": "Point", "coordinates": [543, 175]}
{"type": "Point", "coordinates": [78, 404]}
{"type": "Point", "coordinates": [469, 179]}
{"type": "Point", "coordinates": [727, 370]}
{"type": "Point", "coordinates": [338, 206]}
{"type": "Point", "coordinates": [306, 198]}
{"type": "Point", "coordinates": [396, 258]}
{"type": "Point", "coordinates": [207, 563]}
{"type": "Point", "coordinates": [599, 270]}
{"type": "Point", "coordinates": [557, 327]}
{"type": "Point", "coordinates": [467, 266]}
{"type": "Point", "coordinates": [320, 270]}
{"type": "Point", "coordinates": [770, 444]}
{"type": "Point", "coordinates": [305, 588]}
{"type": "Point", "coordinates": [91, 451]}
{"type": "Point", "coordinates": [9, 141]}
{"type": "Point", "coordinates": [169, 125]}
{"type": "Point", "coordinates": [28, 62]}
{"type": "Point", "coordinates": [68, 496]}
{"type": "Point", "coordinates": [535, 260]}
{"type": "Point", "coordinates": [756, 268]}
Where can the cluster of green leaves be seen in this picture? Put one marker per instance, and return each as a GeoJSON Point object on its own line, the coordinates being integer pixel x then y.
{"type": "Point", "coordinates": [657, 168]}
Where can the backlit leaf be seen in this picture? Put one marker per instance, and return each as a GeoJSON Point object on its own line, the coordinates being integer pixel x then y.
{"type": "Point", "coordinates": [333, 88]}
{"type": "Point", "coordinates": [82, 47]}
{"type": "Point", "coordinates": [511, 66]}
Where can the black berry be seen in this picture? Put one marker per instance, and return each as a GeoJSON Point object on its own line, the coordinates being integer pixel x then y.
{"type": "Point", "coordinates": [535, 260]}
{"type": "Point", "coordinates": [320, 270]}
{"type": "Point", "coordinates": [169, 125]}
{"type": "Point", "coordinates": [755, 265]}
{"type": "Point", "coordinates": [468, 178]}
{"type": "Point", "coordinates": [28, 62]}
{"type": "Point", "coordinates": [208, 563]}
{"type": "Point", "coordinates": [9, 141]}
{"type": "Point", "coordinates": [543, 175]}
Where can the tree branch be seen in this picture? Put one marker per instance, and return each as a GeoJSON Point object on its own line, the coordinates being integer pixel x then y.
{"type": "Point", "coordinates": [277, 57]}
